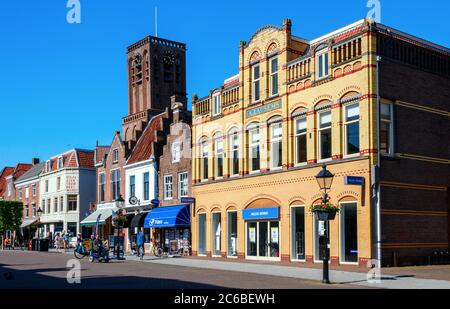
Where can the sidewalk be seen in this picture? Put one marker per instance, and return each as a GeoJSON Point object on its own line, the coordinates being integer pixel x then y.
{"type": "Point", "coordinates": [391, 281]}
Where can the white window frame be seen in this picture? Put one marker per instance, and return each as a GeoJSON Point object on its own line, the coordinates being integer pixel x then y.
{"type": "Point", "coordinates": [391, 145]}
{"type": "Point", "coordinates": [204, 154]}
{"type": "Point", "coordinates": [322, 62]}
{"type": "Point", "coordinates": [60, 163]}
{"type": "Point", "coordinates": [144, 186]}
{"type": "Point", "coordinates": [27, 192]}
{"type": "Point", "coordinates": [218, 152]}
{"type": "Point", "coordinates": [273, 140]}
{"type": "Point", "coordinates": [48, 166]}
{"type": "Point", "coordinates": [228, 232]}
{"type": "Point", "coordinates": [292, 208]}
{"type": "Point", "coordinates": [176, 152]}
{"type": "Point", "coordinates": [217, 107]}
{"type": "Point", "coordinates": [183, 181]}
{"type": "Point", "coordinates": [166, 191]}
{"type": "Point", "coordinates": [33, 190]}
{"type": "Point", "coordinates": [114, 183]}
{"type": "Point", "coordinates": [256, 81]}
{"type": "Point", "coordinates": [346, 123]}
{"type": "Point", "coordinates": [319, 141]}
{"type": "Point", "coordinates": [213, 234]}
{"type": "Point", "coordinates": [68, 203]}
{"type": "Point", "coordinates": [58, 183]}
{"type": "Point", "coordinates": [252, 145]}
{"type": "Point", "coordinates": [273, 75]}
{"type": "Point", "coordinates": [46, 186]}
{"type": "Point", "coordinates": [234, 146]}
{"type": "Point", "coordinates": [20, 193]}
{"type": "Point", "coordinates": [296, 135]}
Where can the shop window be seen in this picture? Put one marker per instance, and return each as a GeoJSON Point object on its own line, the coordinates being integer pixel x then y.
{"type": "Point", "coordinates": [202, 234]}
{"type": "Point", "coordinates": [352, 129]}
{"type": "Point", "coordinates": [325, 135]}
{"type": "Point", "coordinates": [300, 140]}
{"type": "Point", "coordinates": [298, 233]}
{"type": "Point", "coordinates": [217, 231]}
{"type": "Point", "coordinates": [349, 233]}
{"type": "Point", "coordinates": [232, 234]}
{"type": "Point", "coordinates": [320, 229]}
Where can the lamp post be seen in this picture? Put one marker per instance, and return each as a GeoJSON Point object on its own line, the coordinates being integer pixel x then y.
{"type": "Point", "coordinates": [39, 213]}
{"type": "Point", "coordinates": [325, 180]}
{"type": "Point", "coordinates": [120, 201]}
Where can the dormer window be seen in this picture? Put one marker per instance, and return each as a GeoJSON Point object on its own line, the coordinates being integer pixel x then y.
{"type": "Point", "coordinates": [216, 104]}
{"type": "Point", "coordinates": [60, 162]}
{"type": "Point", "coordinates": [48, 166]}
{"type": "Point", "coordinates": [322, 64]}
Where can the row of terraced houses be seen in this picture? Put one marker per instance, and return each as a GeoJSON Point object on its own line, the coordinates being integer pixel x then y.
{"type": "Point", "coordinates": [367, 100]}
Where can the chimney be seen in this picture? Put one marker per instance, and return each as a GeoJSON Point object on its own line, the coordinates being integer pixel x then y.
{"type": "Point", "coordinates": [287, 25]}
{"type": "Point", "coordinates": [177, 104]}
{"type": "Point", "coordinates": [35, 161]}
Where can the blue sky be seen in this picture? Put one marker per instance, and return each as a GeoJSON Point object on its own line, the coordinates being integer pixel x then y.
{"type": "Point", "coordinates": [64, 85]}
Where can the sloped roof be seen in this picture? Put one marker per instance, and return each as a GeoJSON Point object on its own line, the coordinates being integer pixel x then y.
{"type": "Point", "coordinates": [32, 172]}
{"type": "Point", "coordinates": [145, 145]}
{"type": "Point", "coordinates": [74, 158]}
{"type": "Point", "coordinates": [5, 173]}
{"type": "Point", "coordinates": [85, 158]}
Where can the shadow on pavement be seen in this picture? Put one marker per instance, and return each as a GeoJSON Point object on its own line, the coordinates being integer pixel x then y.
{"type": "Point", "coordinates": [36, 279]}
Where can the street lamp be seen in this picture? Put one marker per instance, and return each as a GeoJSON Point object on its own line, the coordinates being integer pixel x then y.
{"type": "Point", "coordinates": [39, 213]}
{"type": "Point", "coordinates": [325, 180]}
{"type": "Point", "coordinates": [120, 202]}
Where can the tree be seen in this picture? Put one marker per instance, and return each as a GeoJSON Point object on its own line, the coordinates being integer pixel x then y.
{"type": "Point", "coordinates": [10, 215]}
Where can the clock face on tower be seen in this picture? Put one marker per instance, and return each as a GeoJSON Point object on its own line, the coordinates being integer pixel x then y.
{"type": "Point", "coordinates": [169, 58]}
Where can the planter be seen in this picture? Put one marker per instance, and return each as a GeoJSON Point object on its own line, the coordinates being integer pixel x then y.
{"type": "Point", "coordinates": [326, 215]}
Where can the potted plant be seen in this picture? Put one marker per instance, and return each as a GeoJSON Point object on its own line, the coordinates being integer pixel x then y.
{"type": "Point", "coordinates": [325, 210]}
{"type": "Point", "coordinates": [119, 220]}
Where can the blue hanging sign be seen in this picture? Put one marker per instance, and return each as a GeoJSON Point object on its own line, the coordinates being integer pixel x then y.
{"type": "Point", "coordinates": [261, 213]}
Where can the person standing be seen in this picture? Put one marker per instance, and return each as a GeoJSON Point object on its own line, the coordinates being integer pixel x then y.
{"type": "Point", "coordinates": [140, 241]}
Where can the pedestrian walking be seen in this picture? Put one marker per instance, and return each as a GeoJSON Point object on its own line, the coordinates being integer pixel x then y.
{"type": "Point", "coordinates": [140, 241]}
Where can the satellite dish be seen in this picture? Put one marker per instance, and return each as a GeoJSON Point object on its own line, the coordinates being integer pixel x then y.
{"type": "Point", "coordinates": [133, 200]}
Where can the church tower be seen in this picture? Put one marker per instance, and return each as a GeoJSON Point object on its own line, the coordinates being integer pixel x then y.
{"type": "Point", "coordinates": [156, 71]}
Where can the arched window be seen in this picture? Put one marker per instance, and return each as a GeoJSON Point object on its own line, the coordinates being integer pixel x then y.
{"type": "Point", "coordinates": [204, 154]}
{"type": "Point", "coordinates": [300, 136]}
{"type": "Point", "coordinates": [254, 155]}
{"type": "Point", "coordinates": [218, 155]}
{"type": "Point", "coordinates": [275, 125]}
{"type": "Point", "coordinates": [233, 138]}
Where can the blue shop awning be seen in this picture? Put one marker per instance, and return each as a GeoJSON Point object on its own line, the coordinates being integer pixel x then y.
{"type": "Point", "coordinates": [166, 217]}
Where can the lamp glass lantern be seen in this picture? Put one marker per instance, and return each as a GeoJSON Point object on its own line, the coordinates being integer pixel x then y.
{"type": "Point", "coordinates": [325, 179]}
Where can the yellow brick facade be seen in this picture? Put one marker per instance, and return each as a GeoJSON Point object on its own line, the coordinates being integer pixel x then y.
{"type": "Point", "coordinates": [351, 79]}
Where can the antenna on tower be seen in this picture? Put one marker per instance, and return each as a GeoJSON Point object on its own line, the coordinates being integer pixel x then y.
{"type": "Point", "coordinates": [156, 21]}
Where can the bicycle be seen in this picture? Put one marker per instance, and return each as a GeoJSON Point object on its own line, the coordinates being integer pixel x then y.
{"type": "Point", "coordinates": [157, 250]}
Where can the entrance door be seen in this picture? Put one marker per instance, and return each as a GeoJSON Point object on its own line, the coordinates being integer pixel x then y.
{"type": "Point", "coordinates": [263, 239]}
{"type": "Point", "coordinates": [349, 233]}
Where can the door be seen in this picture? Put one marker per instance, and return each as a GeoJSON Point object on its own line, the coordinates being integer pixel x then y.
{"type": "Point", "coordinates": [263, 239]}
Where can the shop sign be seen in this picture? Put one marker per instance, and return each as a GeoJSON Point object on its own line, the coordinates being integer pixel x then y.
{"type": "Point", "coordinates": [354, 181]}
{"type": "Point", "coordinates": [263, 109]}
{"type": "Point", "coordinates": [187, 200]}
{"type": "Point", "coordinates": [260, 213]}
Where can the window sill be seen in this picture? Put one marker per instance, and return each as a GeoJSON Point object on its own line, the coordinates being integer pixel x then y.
{"type": "Point", "coordinates": [300, 164]}
{"type": "Point", "coordinates": [325, 160]}
{"type": "Point", "coordinates": [254, 172]}
{"type": "Point", "coordinates": [168, 199]}
{"type": "Point", "coordinates": [276, 169]}
{"type": "Point", "coordinates": [352, 156]}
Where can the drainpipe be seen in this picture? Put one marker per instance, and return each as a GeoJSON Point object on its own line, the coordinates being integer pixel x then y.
{"type": "Point", "coordinates": [377, 171]}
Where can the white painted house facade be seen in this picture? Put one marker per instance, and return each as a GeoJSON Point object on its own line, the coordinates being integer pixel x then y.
{"type": "Point", "coordinates": [67, 188]}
